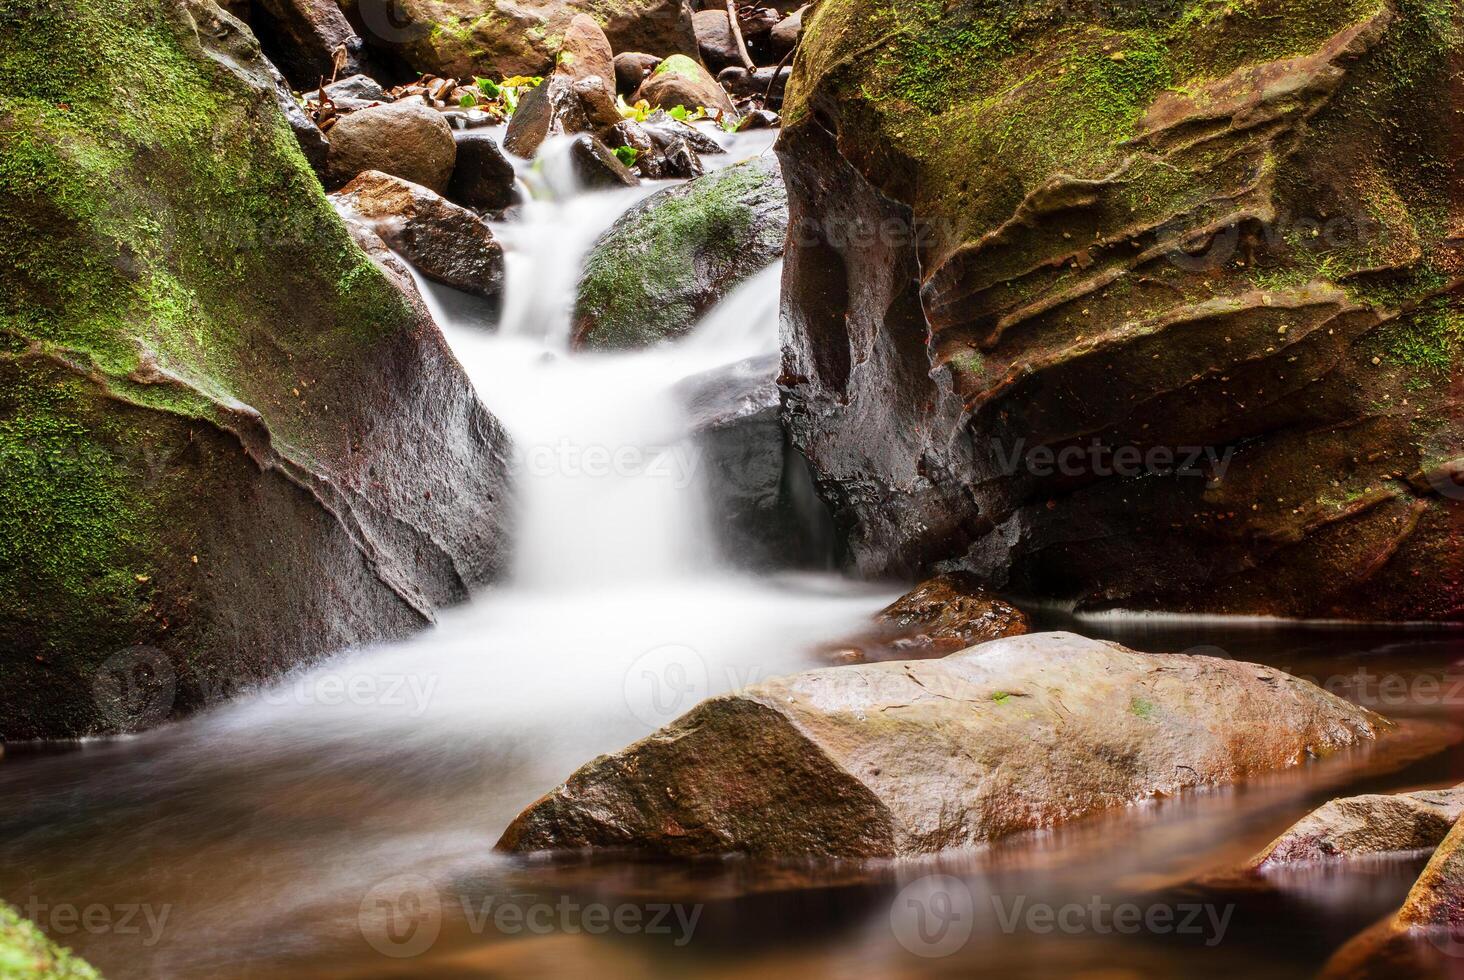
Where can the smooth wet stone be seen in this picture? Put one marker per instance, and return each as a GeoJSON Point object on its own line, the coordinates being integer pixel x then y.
{"type": "Point", "coordinates": [405, 139]}
{"type": "Point", "coordinates": [1367, 825]}
{"type": "Point", "coordinates": [906, 758]}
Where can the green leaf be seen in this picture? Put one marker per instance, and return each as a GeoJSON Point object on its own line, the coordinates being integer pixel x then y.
{"type": "Point", "coordinates": [468, 100]}
{"type": "Point", "coordinates": [627, 155]}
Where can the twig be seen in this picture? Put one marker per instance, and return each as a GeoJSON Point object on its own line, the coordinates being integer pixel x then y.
{"type": "Point", "coordinates": [737, 36]}
{"type": "Point", "coordinates": [772, 82]}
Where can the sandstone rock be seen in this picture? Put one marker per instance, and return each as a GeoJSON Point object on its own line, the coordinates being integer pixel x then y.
{"type": "Point", "coordinates": [679, 81]}
{"type": "Point", "coordinates": [1372, 824]}
{"type": "Point", "coordinates": [548, 109]}
{"type": "Point", "coordinates": [357, 88]}
{"type": "Point", "coordinates": [404, 139]}
{"type": "Point", "coordinates": [631, 68]}
{"type": "Point", "coordinates": [585, 53]}
{"type": "Point", "coordinates": [596, 167]}
{"type": "Point", "coordinates": [714, 39]}
{"type": "Point", "coordinates": [899, 759]}
{"type": "Point", "coordinates": [785, 35]}
{"type": "Point", "coordinates": [1082, 246]}
{"type": "Point", "coordinates": [251, 449]}
{"type": "Point", "coordinates": [446, 243]}
{"type": "Point", "coordinates": [463, 38]}
{"type": "Point", "coordinates": [597, 100]}
{"type": "Point", "coordinates": [303, 36]}
{"type": "Point", "coordinates": [483, 178]}
{"type": "Point", "coordinates": [676, 253]}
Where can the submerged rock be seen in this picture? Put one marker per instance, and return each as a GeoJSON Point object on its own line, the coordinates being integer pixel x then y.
{"type": "Point", "coordinates": [898, 759]}
{"type": "Point", "coordinates": [446, 243]}
{"type": "Point", "coordinates": [680, 81]}
{"type": "Point", "coordinates": [1367, 825]}
{"type": "Point", "coordinates": [1170, 244]}
{"type": "Point", "coordinates": [670, 258]}
{"type": "Point", "coordinates": [228, 443]}
{"type": "Point", "coordinates": [405, 139]}
{"type": "Point", "coordinates": [596, 167]}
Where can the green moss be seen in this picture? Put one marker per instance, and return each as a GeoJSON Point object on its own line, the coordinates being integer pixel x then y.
{"type": "Point", "coordinates": [26, 953]}
{"type": "Point", "coordinates": [1141, 708]}
{"type": "Point", "coordinates": [679, 64]}
{"type": "Point", "coordinates": [1430, 337]}
{"type": "Point", "coordinates": [633, 279]}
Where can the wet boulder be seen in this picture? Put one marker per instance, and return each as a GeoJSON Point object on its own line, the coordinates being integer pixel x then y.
{"type": "Point", "coordinates": [463, 38]}
{"type": "Point", "coordinates": [714, 39]}
{"type": "Point", "coordinates": [671, 257]}
{"type": "Point", "coordinates": [764, 83]}
{"type": "Point", "coordinates": [482, 178]}
{"type": "Point", "coordinates": [446, 243]}
{"type": "Point", "coordinates": [585, 53]}
{"type": "Point", "coordinates": [405, 139]}
{"type": "Point", "coordinates": [680, 81]}
{"type": "Point", "coordinates": [548, 109]}
{"type": "Point", "coordinates": [950, 612]}
{"type": "Point", "coordinates": [355, 88]}
{"type": "Point", "coordinates": [596, 167]}
{"type": "Point", "coordinates": [631, 68]}
{"type": "Point", "coordinates": [229, 444]}
{"type": "Point", "coordinates": [1117, 317]}
{"type": "Point", "coordinates": [786, 33]}
{"type": "Point", "coordinates": [1374, 824]}
{"type": "Point", "coordinates": [908, 758]}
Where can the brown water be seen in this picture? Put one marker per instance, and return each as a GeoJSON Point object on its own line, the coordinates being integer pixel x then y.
{"type": "Point", "coordinates": [285, 837]}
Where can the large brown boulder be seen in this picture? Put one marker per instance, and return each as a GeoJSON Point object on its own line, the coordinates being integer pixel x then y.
{"type": "Point", "coordinates": [1160, 314]}
{"type": "Point", "coordinates": [446, 243]}
{"type": "Point", "coordinates": [585, 53]}
{"type": "Point", "coordinates": [228, 442]}
{"type": "Point", "coordinates": [482, 177]}
{"type": "Point", "coordinates": [463, 38]}
{"type": "Point", "coordinates": [905, 758]}
{"type": "Point", "coordinates": [714, 39]}
{"type": "Point", "coordinates": [680, 81]}
{"type": "Point", "coordinates": [404, 139]}
{"type": "Point", "coordinates": [1367, 825]}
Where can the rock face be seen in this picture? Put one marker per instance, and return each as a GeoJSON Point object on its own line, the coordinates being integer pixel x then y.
{"type": "Point", "coordinates": [483, 177]}
{"type": "Point", "coordinates": [404, 139]}
{"type": "Point", "coordinates": [1023, 232]}
{"type": "Point", "coordinates": [896, 759]}
{"type": "Point", "coordinates": [303, 36]}
{"type": "Point", "coordinates": [679, 81]}
{"type": "Point", "coordinates": [228, 442]}
{"type": "Point", "coordinates": [463, 38]}
{"type": "Point", "coordinates": [586, 52]}
{"type": "Point", "coordinates": [446, 243]}
{"type": "Point", "coordinates": [670, 258]}
{"type": "Point", "coordinates": [714, 39]}
{"type": "Point", "coordinates": [1371, 824]}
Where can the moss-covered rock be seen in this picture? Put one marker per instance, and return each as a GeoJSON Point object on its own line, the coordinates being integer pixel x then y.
{"type": "Point", "coordinates": [26, 953]}
{"type": "Point", "coordinates": [463, 38]}
{"type": "Point", "coordinates": [228, 442]}
{"type": "Point", "coordinates": [669, 259]}
{"type": "Point", "coordinates": [1229, 227]}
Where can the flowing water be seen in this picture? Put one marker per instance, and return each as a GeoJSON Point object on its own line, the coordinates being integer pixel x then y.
{"type": "Point", "coordinates": [341, 822]}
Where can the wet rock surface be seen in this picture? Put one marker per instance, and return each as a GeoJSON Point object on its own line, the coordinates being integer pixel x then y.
{"type": "Point", "coordinates": [675, 254]}
{"type": "Point", "coordinates": [482, 177]}
{"type": "Point", "coordinates": [912, 758]}
{"type": "Point", "coordinates": [266, 452]}
{"type": "Point", "coordinates": [1102, 260]}
{"type": "Point", "coordinates": [680, 81]}
{"type": "Point", "coordinates": [404, 139]}
{"type": "Point", "coordinates": [596, 165]}
{"type": "Point", "coordinates": [1375, 824]}
{"type": "Point", "coordinates": [306, 37]}
{"type": "Point", "coordinates": [446, 243]}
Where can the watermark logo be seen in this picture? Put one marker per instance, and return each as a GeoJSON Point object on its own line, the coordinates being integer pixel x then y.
{"type": "Point", "coordinates": [676, 464]}
{"type": "Point", "coordinates": [933, 916]}
{"type": "Point", "coordinates": [401, 917]}
{"type": "Point", "coordinates": [387, 21]}
{"type": "Point", "coordinates": [63, 919]}
{"type": "Point", "coordinates": [134, 689]}
{"type": "Point", "coordinates": [1099, 459]}
{"type": "Point", "coordinates": [665, 682]}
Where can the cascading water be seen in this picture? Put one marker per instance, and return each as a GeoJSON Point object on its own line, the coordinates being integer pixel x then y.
{"type": "Point", "coordinates": [254, 836]}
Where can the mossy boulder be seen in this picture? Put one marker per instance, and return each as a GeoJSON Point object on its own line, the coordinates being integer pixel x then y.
{"type": "Point", "coordinates": [1220, 237]}
{"type": "Point", "coordinates": [680, 81]}
{"type": "Point", "coordinates": [463, 38]}
{"type": "Point", "coordinates": [228, 442]}
{"type": "Point", "coordinates": [26, 953]}
{"type": "Point", "coordinates": [670, 258]}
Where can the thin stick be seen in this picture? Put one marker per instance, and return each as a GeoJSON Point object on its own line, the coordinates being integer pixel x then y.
{"type": "Point", "coordinates": [772, 82]}
{"type": "Point", "coordinates": [737, 36]}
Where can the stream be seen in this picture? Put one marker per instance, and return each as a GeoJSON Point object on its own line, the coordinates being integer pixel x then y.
{"type": "Point", "coordinates": [341, 822]}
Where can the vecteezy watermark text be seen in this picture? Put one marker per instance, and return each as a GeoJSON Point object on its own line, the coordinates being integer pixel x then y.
{"type": "Point", "coordinates": [1102, 460]}
{"type": "Point", "coordinates": [61, 919]}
